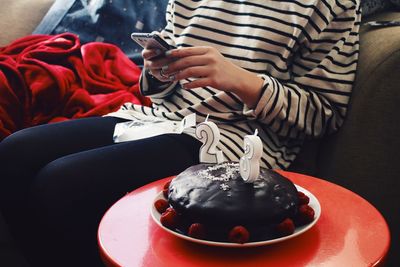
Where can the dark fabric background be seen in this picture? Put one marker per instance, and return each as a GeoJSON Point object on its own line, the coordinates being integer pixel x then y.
{"type": "Point", "coordinates": [371, 7]}
{"type": "Point", "coordinates": [110, 21]}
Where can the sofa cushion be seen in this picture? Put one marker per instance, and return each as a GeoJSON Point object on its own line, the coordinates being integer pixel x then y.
{"type": "Point", "coordinates": [20, 17]}
{"type": "Point", "coordinates": [363, 155]}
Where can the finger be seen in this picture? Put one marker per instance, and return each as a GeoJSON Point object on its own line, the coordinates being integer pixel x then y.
{"type": "Point", "coordinates": [150, 53]}
{"type": "Point", "coordinates": [157, 63]}
{"type": "Point", "coordinates": [192, 72]}
{"type": "Point", "coordinates": [184, 63]}
{"type": "Point", "coordinates": [187, 51]}
{"type": "Point", "coordinates": [202, 82]}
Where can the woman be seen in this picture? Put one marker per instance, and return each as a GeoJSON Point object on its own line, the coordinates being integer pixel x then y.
{"type": "Point", "coordinates": [285, 68]}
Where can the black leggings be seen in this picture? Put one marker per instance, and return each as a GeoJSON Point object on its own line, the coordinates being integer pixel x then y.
{"type": "Point", "coordinates": [57, 180]}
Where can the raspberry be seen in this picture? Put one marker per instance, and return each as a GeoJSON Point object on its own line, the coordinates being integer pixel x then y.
{"type": "Point", "coordinates": [166, 185]}
{"type": "Point", "coordinates": [169, 218]}
{"type": "Point", "coordinates": [303, 198]}
{"type": "Point", "coordinates": [305, 215]}
{"type": "Point", "coordinates": [165, 193]}
{"type": "Point", "coordinates": [161, 205]}
{"type": "Point", "coordinates": [286, 227]}
{"type": "Point", "coordinates": [170, 209]}
{"type": "Point", "coordinates": [166, 188]}
{"type": "Point", "coordinates": [197, 230]}
{"type": "Point", "coordinates": [239, 234]}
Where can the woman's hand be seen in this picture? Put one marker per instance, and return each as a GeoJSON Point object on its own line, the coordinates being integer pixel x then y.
{"type": "Point", "coordinates": [211, 68]}
{"type": "Point", "coordinates": [154, 60]}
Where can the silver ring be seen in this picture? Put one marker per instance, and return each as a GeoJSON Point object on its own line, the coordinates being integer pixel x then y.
{"type": "Point", "coordinates": [162, 74]}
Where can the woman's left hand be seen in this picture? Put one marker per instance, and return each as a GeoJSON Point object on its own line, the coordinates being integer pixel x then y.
{"type": "Point", "coordinates": [211, 68]}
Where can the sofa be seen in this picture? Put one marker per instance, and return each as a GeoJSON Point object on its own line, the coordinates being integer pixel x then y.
{"type": "Point", "coordinates": [362, 156]}
{"type": "Point", "coordinates": [370, 136]}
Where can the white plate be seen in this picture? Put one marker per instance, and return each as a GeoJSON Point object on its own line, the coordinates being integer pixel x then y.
{"type": "Point", "coordinates": [314, 203]}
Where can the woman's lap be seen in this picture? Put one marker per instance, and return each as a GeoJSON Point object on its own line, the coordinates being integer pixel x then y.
{"type": "Point", "coordinates": [25, 152]}
{"type": "Point", "coordinates": [109, 172]}
{"type": "Point", "coordinates": [70, 173]}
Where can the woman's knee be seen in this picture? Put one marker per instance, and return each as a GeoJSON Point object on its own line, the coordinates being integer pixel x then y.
{"type": "Point", "coordinates": [17, 167]}
{"type": "Point", "coordinates": [16, 162]}
{"type": "Point", "coordinates": [51, 186]}
{"type": "Point", "coordinates": [62, 188]}
{"type": "Point", "coordinates": [15, 144]}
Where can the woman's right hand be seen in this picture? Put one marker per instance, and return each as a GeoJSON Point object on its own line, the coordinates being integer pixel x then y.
{"type": "Point", "coordinates": [154, 60]}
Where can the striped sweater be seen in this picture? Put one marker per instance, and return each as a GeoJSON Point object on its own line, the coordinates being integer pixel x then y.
{"type": "Point", "coordinates": [305, 51]}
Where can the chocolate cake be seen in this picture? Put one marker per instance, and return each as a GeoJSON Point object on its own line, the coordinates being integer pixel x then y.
{"type": "Point", "coordinates": [215, 199]}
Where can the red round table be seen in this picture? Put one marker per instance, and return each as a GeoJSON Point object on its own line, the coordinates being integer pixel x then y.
{"type": "Point", "coordinates": [350, 232]}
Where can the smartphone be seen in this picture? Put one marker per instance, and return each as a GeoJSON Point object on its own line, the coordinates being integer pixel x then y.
{"type": "Point", "coordinates": [150, 41]}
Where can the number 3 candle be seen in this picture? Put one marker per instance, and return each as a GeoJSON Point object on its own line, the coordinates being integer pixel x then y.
{"type": "Point", "coordinates": [208, 133]}
{"type": "Point", "coordinates": [250, 162]}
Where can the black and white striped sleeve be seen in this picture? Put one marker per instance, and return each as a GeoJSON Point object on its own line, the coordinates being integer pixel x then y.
{"type": "Point", "coordinates": [316, 98]}
{"type": "Point", "coordinates": [149, 85]}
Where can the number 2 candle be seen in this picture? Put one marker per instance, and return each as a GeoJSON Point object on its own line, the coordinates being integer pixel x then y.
{"type": "Point", "coordinates": [208, 133]}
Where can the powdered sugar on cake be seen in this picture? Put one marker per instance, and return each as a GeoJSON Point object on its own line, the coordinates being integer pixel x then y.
{"type": "Point", "coordinates": [224, 187]}
{"type": "Point", "coordinates": [221, 172]}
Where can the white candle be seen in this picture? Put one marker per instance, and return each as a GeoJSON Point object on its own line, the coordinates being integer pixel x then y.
{"type": "Point", "coordinates": [208, 133]}
{"type": "Point", "coordinates": [250, 162]}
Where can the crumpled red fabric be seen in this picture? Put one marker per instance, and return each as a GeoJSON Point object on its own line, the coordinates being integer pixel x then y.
{"type": "Point", "coordinates": [50, 78]}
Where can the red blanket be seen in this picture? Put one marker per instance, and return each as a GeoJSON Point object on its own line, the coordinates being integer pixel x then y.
{"type": "Point", "coordinates": [47, 78]}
